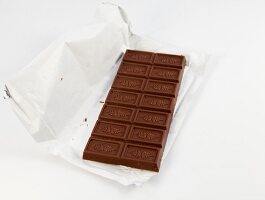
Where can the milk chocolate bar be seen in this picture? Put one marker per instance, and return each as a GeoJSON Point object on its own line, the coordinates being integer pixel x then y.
{"type": "Point", "coordinates": [133, 125]}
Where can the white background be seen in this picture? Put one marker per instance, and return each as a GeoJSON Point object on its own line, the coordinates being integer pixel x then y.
{"type": "Point", "coordinates": [220, 153]}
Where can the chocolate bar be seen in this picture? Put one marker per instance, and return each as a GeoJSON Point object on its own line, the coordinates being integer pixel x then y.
{"type": "Point", "coordinates": [133, 125]}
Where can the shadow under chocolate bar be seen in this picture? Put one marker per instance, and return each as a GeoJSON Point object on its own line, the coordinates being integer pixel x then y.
{"type": "Point", "coordinates": [133, 125]}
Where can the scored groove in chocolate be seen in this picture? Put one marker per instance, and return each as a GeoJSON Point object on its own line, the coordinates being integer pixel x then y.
{"type": "Point", "coordinates": [133, 125]}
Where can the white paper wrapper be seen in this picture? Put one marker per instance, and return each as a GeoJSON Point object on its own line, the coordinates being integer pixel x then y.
{"type": "Point", "coordinates": [67, 82]}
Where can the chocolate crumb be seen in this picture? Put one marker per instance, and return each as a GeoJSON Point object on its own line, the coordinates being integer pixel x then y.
{"type": "Point", "coordinates": [61, 78]}
{"type": "Point", "coordinates": [85, 120]}
{"type": "Point", "coordinates": [101, 102]}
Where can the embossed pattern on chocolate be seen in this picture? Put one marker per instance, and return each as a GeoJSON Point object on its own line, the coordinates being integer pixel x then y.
{"type": "Point", "coordinates": [123, 98]}
{"type": "Point", "coordinates": [103, 147]}
{"type": "Point", "coordinates": [165, 74]}
{"type": "Point", "coordinates": [153, 119]}
{"type": "Point", "coordinates": [107, 129]}
{"type": "Point", "coordinates": [161, 88]}
{"type": "Point", "coordinates": [170, 60]}
{"type": "Point", "coordinates": [129, 83]}
{"type": "Point", "coordinates": [134, 122]}
{"type": "Point", "coordinates": [139, 56]}
{"type": "Point", "coordinates": [106, 151]}
{"type": "Point", "coordinates": [116, 113]}
{"type": "Point", "coordinates": [157, 102]}
{"type": "Point", "coordinates": [134, 69]}
{"type": "Point", "coordinates": [146, 135]}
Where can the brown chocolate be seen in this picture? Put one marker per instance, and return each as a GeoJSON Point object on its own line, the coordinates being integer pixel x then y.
{"type": "Point", "coordinates": [161, 87]}
{"type": "Point", "coordinates": [129, 83]}
{"type": "Point", "coordinates": [153, 119]}
{"type": "Point", "coordinates": [165, 74]}
{"type": "Point", "coordinates": [134, 122]}
{"type": "Point", "coordinates": [170, 60]}
{"type": "Point", "coordinates": [155, 102]}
